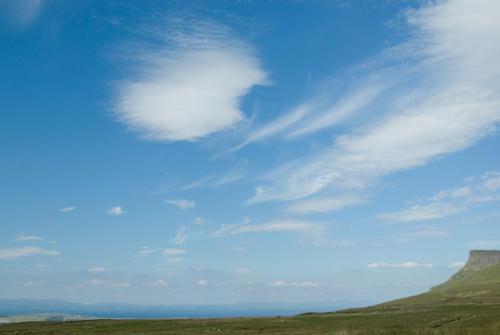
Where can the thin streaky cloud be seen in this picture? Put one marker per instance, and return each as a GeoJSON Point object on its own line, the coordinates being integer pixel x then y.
{"type": "Point", "coordinates": [21, 13]}
{"type": "Point", "coordinates": [405, 265]}
{"type": "Point", "coordinates": [293, 284]}
{"type": "Point", "coordinates": [23, 238]}
{"type": "Point", "coordinates": [447, 101]}
{"type": "Point", "coordinates": [14, 253]}
{"type": "Point", "coordinates": [315, 233]}
{"type": "Point", "coordinates": [181, 235]}
{"type": "Point", "coordinates": [68, 209]}
{"type": "Point", "coordinates": [445, 203]}
{"type": "Point", "coordinates": [324, 204]}
{"type": "Point", "coordinates": [181, 203]}
{"type": "Point", "coordinates": [173, 251]}
{"type": "Point", "coordinates": [96, 269]}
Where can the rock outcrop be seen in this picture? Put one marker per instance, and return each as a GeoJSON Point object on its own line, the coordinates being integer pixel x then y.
{"type": "Point", "coordinates": [481, 259]}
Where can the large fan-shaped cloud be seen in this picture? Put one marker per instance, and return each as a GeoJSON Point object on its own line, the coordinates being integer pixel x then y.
{"type": "Point", "coordinates": [189, 86]}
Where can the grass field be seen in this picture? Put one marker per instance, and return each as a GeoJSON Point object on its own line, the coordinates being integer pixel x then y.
{"type": "Point", "coordinates": [447, 319]}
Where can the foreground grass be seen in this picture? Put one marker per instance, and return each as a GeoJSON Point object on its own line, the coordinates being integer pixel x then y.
{"type": "Point", "coordinates": [464, 319]}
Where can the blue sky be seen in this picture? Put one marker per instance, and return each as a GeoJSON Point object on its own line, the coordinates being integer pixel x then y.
{"type": "Point", "coordinates": [217, 152]}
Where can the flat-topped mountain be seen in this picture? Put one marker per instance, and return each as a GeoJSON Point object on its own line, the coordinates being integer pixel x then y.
{"type": "Point", "coordinates": [482, 259]}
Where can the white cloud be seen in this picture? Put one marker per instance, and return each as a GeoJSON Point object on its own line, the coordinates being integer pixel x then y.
{"type": "Point", "coordinates": [242, 271]}
{"type": "Point", "coordinates": [485, 188]}
{"type": "Point", "coordinates": [181, 203]}
{"type": "Point", "coordinates": [107, 283]}
{"type": "Point", "coordinates": [275, 127]}
{"type": "Point", "coordinates": [420, 213]}
{"type": "Point", "coordinates": [405, 265]}
{"type": "Point", "coordinates": [425, 232]}
{"type": "Point", "coordinates": [202, 282]}
{"type": "Point", "coordinates": [305, 284]}
{"type": "Point", "coordinates": [173, 251]}
{"type": "Point", "coordinates": [313, 232]}
{"type": "Point", "coordinates": [175, 260]}
{"type": "Point", "coordinates": [145, 251]}
{"type": "Point", "coordinates": [115, 211]}
{"type": "Point", "coordinates": [189, 84]}
{"type": "Point", "coordinates": [68, 209]}
{"type": "Point", "coordinates": [318, 113]}
{"type": "Point", "coordinates": [199, 221]}
{"type": "Point", "coordinates": [181, 236]}
{"type": "Point", "coordinates": [160, 283]}
{"type": "Point", "coordinates": [446, 99]}
{"type": "Point", "coordinates": [20, 12]}
{"type": "Point", "coordinates": [324, 204]}
{"type": "Point", "coordinates": [23, 238]}
{"type": "Point", "coordinates": [13, 253]}
{"type": "Point", "coordinates": [456, 265]}
{"type": "Point", "coordinates": [230, 176]}
{"type": "Point", "coordinates": [271, 226]}
{"type": "Point", "coordinates": [96, 269]}
{"type": "Point", "coordinates": [29, 283]}
{"type": "Point", "coordinates": [351, 103]}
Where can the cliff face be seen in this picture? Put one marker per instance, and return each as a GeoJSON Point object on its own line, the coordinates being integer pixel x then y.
{"type": "Point", "coordinates": [481, 259]}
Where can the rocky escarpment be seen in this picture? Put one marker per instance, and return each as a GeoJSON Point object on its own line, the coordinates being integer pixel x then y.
{"type": "Point", "coordinates": [481, 259]}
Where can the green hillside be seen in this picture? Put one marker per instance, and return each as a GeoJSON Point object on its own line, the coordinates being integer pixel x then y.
{"type": "Point", "coordinates": [465, 287]}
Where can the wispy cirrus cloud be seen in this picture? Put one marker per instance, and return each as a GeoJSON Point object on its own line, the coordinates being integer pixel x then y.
{"type": "Point", "coordinates": [181, 203]}
{"type": "Point", "coordinates": [159, 283]}
{"type": "Point", "coordinates": [14, 253]}
{"type": "Point", "coordinates": [68, 209]}
{"type": "Point", "coordinates": [96, 269]}
{"type": "Point", "coordinates": [173, 251]}
{"type": "Point", "coordinates": [404, 265]}
{"type": "Point", "coordinates": [106, 283]}
{"type": "Point", "coordinates": [284, 283]}
{"type": "Point", "coordinates": [24, 238]}
{"type": "Point", "coordinates": [425, 232]}
{"type": "Point", "coordinates": [32, 238]}
{"type": "Point", "coordinates": [312, 232]}
{"type": "Point", "coordinates": [145, 251]}
{"type": "Point", "coordinates": [447, 99]}
{"type": "Point", "coordinates": [325, 204]}
{"type": "Point", "coordinates": [20, 12]}
{"type": "Point", "coordinates": [188, 83]}
{"type": "Point", "coordinates": [230, 176]}
{"type": "Point", "coordinates": [181, 235]}
{"type": "Point", "coordinates": [324, 110]}
{"type": "Point", "coordinates": [485, 188]}
{"type": "Point", "coordinates": [430, 211]}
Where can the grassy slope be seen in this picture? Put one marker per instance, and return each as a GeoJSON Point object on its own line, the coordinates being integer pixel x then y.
{"type": "Point", "coordinates": [469, 303]}
{"type": "Point", "coordinates": [465, 287]}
